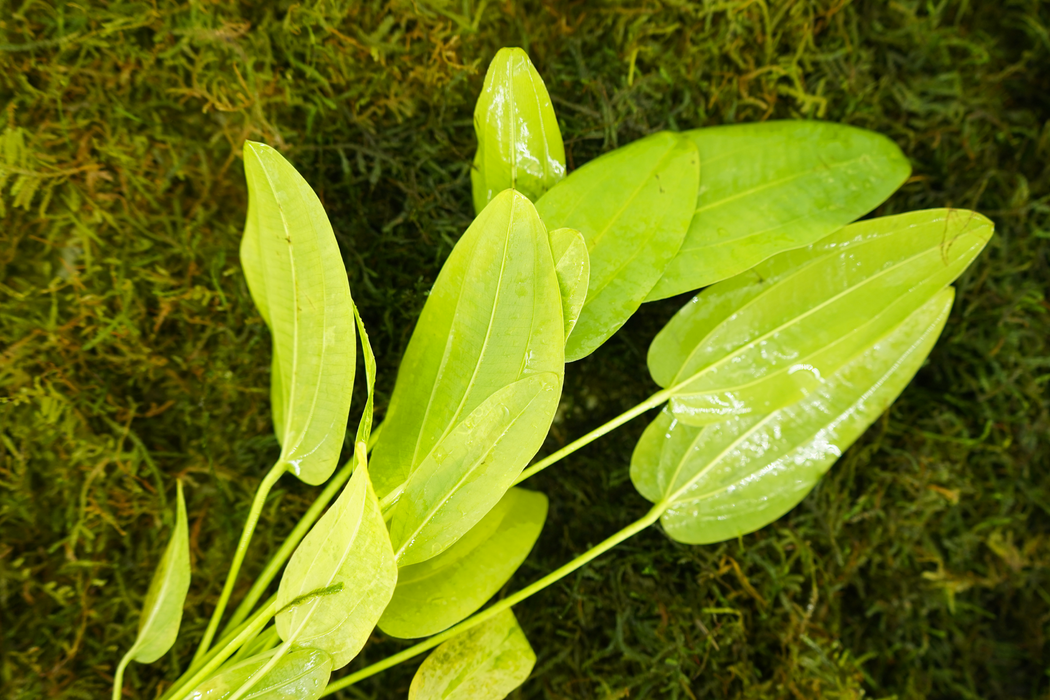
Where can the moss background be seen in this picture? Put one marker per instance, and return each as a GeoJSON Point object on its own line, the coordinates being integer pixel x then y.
{"type": "Point", "coordinates": [130, 353]}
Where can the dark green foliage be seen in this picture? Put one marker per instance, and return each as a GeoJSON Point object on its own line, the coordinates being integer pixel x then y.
{"type": "Point", "coordinates": [130, 352]}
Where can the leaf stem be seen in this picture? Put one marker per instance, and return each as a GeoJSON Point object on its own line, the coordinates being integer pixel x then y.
{"type": "Point", "coordinates": [238, 557]}
{"type": "Point", "coordinates": [223, 652]}
{"type": "Point", "coordinates": [118, 676]}
{"type": "Point", "coordinates": [651, 402]}
{"type": "Point", "coordinates": [651, 517]}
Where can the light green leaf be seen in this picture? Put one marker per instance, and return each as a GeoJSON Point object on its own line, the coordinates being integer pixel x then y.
{"type": "Point", "coordinates": [767, 337]}
{"type": "Point", "coordinates": [486, 662]}
{"type": "Point", "coordinates": [297, 279]}
{"type": "Point", "coordinates": [519, 142]}
{"type": "Point", "coordinates": [301, 675]}
{"type": "Point", "coordinates": [633, 206]}
{"type": "Point", "coordinates": [468, 472]}
{"type": "Point", "coordinates": [437, 593]}
{"type": "Point", "coordinates": [775, 186]}
{"type": "Point", "coordinates": [731, 478]}
{"type": "Point", "coordinates": [364, 428]}
{"type": "Point", "coordinates": [493, 317]}
{"type": "Point", "coordinates": [341, 575]}
{"type": "Point", "coordinates": [162, 609]}
{"type": "Point", "coordinates": [573, 266]}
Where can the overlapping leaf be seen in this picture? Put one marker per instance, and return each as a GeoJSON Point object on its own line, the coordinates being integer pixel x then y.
{"type": "Point", "coordinates": [486, 662]}
{"type": "Point", "coordinates": [341, 575]}
{"type": "Point", "coordinates": [301, 675]}
{"type": "Point", "coordinates": [437, 593]}
{"type": "Point", "coordinates": [776, 186]}
{"type": "Point", "coordinates": [633, 206]}
{"type": "Point", "coordinates": [162, 609]}
{"type": "Point", "coordinates": [297, 279]}
{"type": "Point", "coordinates": [767, 337]}
{"type": "Point", "coordinates": [493, 317]}
{"type": "Point", "coordinates": [519, 142]}
{"type": "Point", "coordinates": [734, 477]}
{"type": "Point", "coordinates": [468, 472]}
{"type": "Point", "coordinates": [573, 266]}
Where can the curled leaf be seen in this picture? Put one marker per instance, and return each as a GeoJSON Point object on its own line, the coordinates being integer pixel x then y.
{"type": "Point", "coordinates": [519, 142]}
{"type": "Point", "coordinates": [573, 266]}
{"type": "Point", "coordinates": [300, 675]}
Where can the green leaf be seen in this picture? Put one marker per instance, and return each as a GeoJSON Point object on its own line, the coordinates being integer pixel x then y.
{"type": "Point", "coordinates": [297, 279]}
{"type": "Point", "coordinates": [341, 575]}
{"type": "Point", "coordinates": [767, 337]}
{"type": "Point", "coordinates": [301, 675]}
{"type": "Point", "coordinates": [633, 206]}
{"type": "Point", "coordinates": [573, 266]}
{"type": "Point", "coordinates": [493, 317]}
{"type": "Point", "coordinates": [434, 595]}
{"type": "Point", "coordinates": [519, 143]}
{"type": "Point", "coordinates": [775, 186]}
{"type": "Point", "coordinates": [486, 662]}
{"type": "Point", "coordinates": [731, 478]}
{"type": "Point", "coordinates": [162, 609]}
{"type": "Point", "coordinates": [468, 472]}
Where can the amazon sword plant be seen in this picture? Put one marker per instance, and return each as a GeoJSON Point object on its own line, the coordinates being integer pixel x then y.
{"type": "Point", "coordinates": [809, 324]}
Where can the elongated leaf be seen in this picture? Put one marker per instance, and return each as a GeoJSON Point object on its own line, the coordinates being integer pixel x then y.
{"type": "Point", "coordinates": [486, 662]}
{"type": "Point", "coordinates": [301, 675]}
{"type": "Point", "coordinates": [519, 142]}
{"type": "Point", "coordinates": [341, 575]}
{"type": "Point", "coordinates": [633, 206]}
{"type": "Point", "coordinates": [493, 317]}
{"type": "Point", "coordinates": [767, 337]}
{"type": "Point", "coordinates": [297, 279]}
{"type": "Point", "coordinates": [775, 186]}
{"type": "Point", "coordinates": [731, 478]}
{"type": "Point", "coordinates": [437, 593]}
{"type": "Point", "coordinates": [573, 266]}
{"type": "Point", "coordinates": [162, 609]}
{"type": "Point", "coordinates": [472, 467]}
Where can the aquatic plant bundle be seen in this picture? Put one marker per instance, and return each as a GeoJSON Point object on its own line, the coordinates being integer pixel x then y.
{"type": "Point", "coordinates": [808, 326]}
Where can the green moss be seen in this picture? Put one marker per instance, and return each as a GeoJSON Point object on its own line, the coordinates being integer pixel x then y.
{"type": "Point", "coordinates": [130, 352]}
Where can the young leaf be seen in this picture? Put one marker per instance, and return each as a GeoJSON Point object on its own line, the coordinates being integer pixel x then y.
{"type": "Point", "coordinates": [485, 662]}
{"type": "Point", "coordinates": [297, 279]}
{"type": "Point", "coordinates": [341, 575]}
{"type": "Point", "coordinates": [775, 186]}
{"type": "Point", "coordinates": [731, 478]}
{"type": "Point", "coordinates": [769, 336]}
{"type": "Point", "coordinates": [573, 266]}
{"type": "Point", "coordinates": [519, 143]}
{"type": "Point", "coordinates": [633, 206]}
{"type": "Point", "coordinates": [493, 317]}
{"type": "Point", "coordinates": [301, 675]}
{"type": "Point", "coordinates": [468, 472]}
{"type": "Point", "coordinates": [162, 609]}
{"type": "Point", "coordinates": [434, 595]}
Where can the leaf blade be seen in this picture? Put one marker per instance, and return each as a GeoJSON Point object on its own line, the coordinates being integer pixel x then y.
{"type": "Point", "coordinates": [302, 674]}
{"type": "Point", "coordinates": [775, 186]}
{"type": "Point", "coordinates": [435, 594]}
{"type": "Point", "coordinates": [633, 206]}
{"type": "Point", "coordinates": [488, 661]}
{"type": "Point", "coordinates": [573, 267]}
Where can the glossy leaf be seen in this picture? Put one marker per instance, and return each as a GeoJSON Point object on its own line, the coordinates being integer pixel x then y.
{"type": "Point", "coordinates": [162, 609]}
{"type": "Point", "coordinates": [731, 478]}
{"type": "Point", "coordinates": [437, 593]}
{"type": "Point", "coordinates": [493, 317]}
{"type": "Point", "coordinates": [519, 142]}
{"type": "Point", "coordinates": [486, 662]}
{"type": "Point", "coordinates": [468, 472]}
{"type": "Point", "coordinates": [633, 206]}
{"type": "Point", "coordinates": [341, 575]}
{"type": "Point", "coordinates": [297, 280]}
{"type": "Point", "coordinates": [776, 186]}
{"type": "Point", "coordinates": [573, 266]}
{"type": "Point", "coordinates": [769, 336]}
{"type": "Point", "coordinates": [301, 675]}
